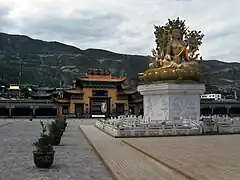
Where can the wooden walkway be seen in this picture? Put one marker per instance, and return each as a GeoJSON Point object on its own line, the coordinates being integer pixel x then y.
{"type": "Point", "coordinates": [124, 162]}
{"type": "Point", "coordinates": [201, 157]}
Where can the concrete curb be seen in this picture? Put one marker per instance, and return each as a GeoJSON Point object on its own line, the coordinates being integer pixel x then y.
{"type": "Point", "coordinates": [114, 177]}
{"type": "Point", "coordinates": [159, 161]}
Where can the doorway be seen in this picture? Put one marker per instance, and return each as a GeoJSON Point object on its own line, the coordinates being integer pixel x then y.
{"type": "Point", "coordinates": [119, 109]}
{"type": "Point", "coordinates": [79, 109]}
{"type": "Point", "coordinates": [95, 105]}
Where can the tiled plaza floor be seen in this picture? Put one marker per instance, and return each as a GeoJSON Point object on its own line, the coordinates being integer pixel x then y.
{"type": "Point", "coordinates": [214, 157]}
{"type": "Point", "coordinates": [74, 158]}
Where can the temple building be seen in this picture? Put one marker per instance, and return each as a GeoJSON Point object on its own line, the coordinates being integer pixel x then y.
{"type": "Point", "coordinates": [97, 86]}
{"type": "Point", "coordinates": [34, 92]}
{"type": "Point", "coordinates": [13, 91]}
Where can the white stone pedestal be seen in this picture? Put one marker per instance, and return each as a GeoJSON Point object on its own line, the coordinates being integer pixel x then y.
{"type": "Point", "coordinates": [169, 101]}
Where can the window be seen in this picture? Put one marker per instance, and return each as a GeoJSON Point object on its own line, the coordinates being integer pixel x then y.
{"type": "Point", "coordinates": [76, 97]}
{"type": "Point", "coordinates": [103, 93]}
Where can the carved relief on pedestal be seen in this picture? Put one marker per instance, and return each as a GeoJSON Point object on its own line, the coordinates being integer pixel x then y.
{"type": "Point", "coordinates": [147, 105]}
{"type": "Point", "coordinates": [184, 106]}
{"type": "Point", "coordinates": [156, 107]}
{"type": "Point", "coordinates": [171, 102]}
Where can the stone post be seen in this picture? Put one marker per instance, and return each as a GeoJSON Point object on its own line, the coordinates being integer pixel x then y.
{"type": "Point", "coordinates": [212, 110]}
{"type": "Point", "coordinates": [10, 112]}
{"type": "Point", "coordinates": [34, 112]}
{"type": "Point", "coordinates": [228, 110]}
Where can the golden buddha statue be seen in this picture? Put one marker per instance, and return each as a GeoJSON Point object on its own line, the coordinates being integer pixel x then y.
{"type": "Point", "coordinates": [176, 48]}
{"type": "Point", "coordinates": [171, 60]}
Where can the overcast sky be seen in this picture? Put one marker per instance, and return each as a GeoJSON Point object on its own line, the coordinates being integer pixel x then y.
{"type": "Point", "coordinates": [124, 26]}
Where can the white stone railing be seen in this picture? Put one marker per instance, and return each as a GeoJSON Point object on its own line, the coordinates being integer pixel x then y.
{"type": "Point", "coordinates": [138, 126]}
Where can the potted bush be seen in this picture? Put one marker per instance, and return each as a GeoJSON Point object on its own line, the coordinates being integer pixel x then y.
{"type": "Point", "coordinates": [56, 132]}
{"type": "Point", "coordinates": [62, 121]}
{"type": "Point", "coordinates": [44, 154]}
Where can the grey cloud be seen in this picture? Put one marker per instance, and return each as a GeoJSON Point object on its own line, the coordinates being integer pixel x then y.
{"type": "Point", "coordinates": [223, 32]}
{"type": "Point", "coordinates": [90, 27]}
{"type": "Point", "coordinates": [215, 36]}
{"type": "Point", "coordinates": [5, 23]}
{"type": "Point", "coordinates": [128, 27]}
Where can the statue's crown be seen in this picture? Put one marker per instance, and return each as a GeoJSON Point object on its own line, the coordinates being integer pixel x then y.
{"type": "Point", "coordinates": [176, 24]}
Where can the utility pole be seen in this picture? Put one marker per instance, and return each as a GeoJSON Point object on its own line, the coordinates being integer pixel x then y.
{"type": "Point", "coordinates": [20, 75]}
{"type": "Point", "coordinates": [59, 74]}
{"type": "Point", "coordinates": [20, 71]}
{"type": "Point", "coordinates": [21, 64]}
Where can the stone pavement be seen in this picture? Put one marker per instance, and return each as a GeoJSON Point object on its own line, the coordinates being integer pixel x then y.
{"type": "Point", "coordinates": [74, 158]}
{"type": "Point", "coordinates": [201, 157]}
{"type": "Point", "coordinates": [4, 122]}
{"type": "Point", "coordinates": [125, 162]}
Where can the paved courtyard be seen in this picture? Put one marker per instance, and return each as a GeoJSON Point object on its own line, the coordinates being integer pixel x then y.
{"type": "Point", "coordinates": [169, 158]}
{"type": "Point", "coordinates": [201, 157]}
{"type": "Point", "coordinates": [125, 162]}
{"type": "Point", "coordinates": [214, 157]}
{"type": "Point", "coordinates": [74, 159]}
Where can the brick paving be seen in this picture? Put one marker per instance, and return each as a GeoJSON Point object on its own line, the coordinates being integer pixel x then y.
{"type": "Point", "coordinates": [125, 162]}
{"type": "Point", "coordinates": [202, 157]}
{"type": "Point", "coordinates": [74, 158]}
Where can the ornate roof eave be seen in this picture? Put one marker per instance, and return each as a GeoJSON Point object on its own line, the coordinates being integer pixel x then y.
{"type": "Point", "coordinates": [48, 89]}
{"type": "Point", "coordinates": [34, 94]}
{"type": "Point", "coordinates": [127, 92]}
{"type": "Point", "coordinates": [61, 100]}
{"type": "Point", "coordinates": [112, 80]}
{"type": "Point", "coordinates": [136, 101]}
{"type": "Point", "coordinates": [73, 91]}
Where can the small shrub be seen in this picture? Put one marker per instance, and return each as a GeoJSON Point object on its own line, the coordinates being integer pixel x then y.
{"type": "Point", "coordinates": [43, 144]}
{"type": "Point", "coordinates": [55, 129]}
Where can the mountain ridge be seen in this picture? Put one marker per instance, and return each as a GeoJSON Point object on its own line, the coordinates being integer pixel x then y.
{"type": "Point", "coordinates": [33, 61]}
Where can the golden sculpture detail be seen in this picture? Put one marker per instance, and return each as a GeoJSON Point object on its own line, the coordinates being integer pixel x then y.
{"type": "Point", "coordinates": [175, 57]}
